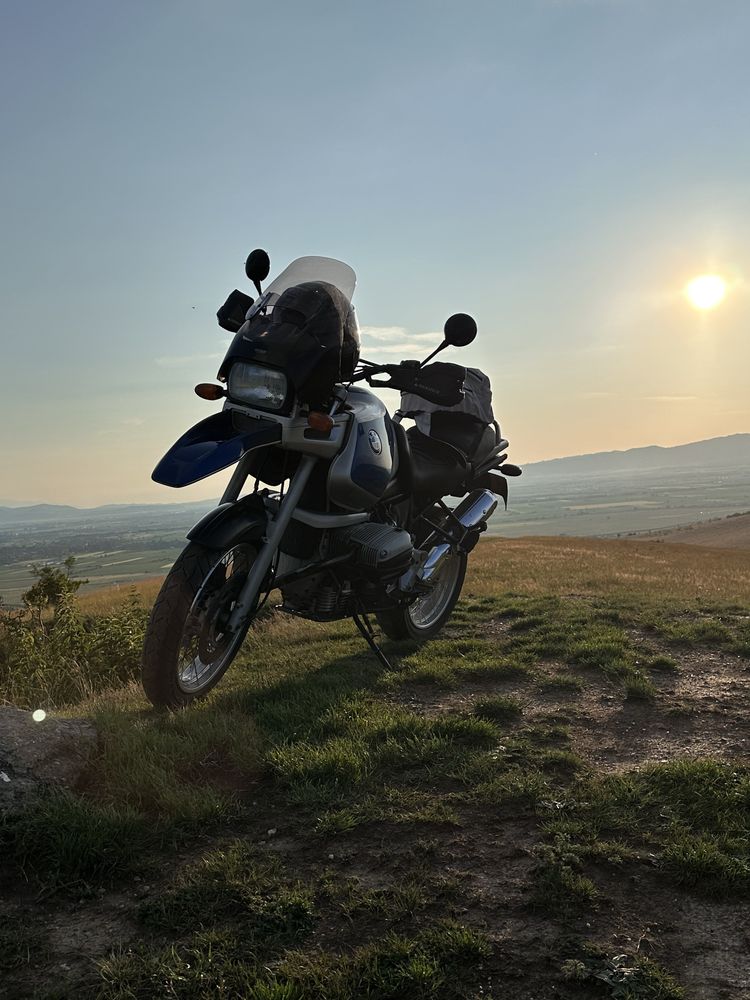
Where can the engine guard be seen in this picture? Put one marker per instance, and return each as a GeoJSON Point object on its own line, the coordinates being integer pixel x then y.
{"type": "Point", "coordinates": [209, 446]}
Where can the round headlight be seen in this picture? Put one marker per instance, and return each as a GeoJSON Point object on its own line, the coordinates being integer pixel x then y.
{"type": "Point", "coordinates": [255, 385]}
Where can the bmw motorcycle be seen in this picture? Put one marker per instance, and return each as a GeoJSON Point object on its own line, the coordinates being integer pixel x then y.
{"type": "Point", "coordinates": [347, 515]}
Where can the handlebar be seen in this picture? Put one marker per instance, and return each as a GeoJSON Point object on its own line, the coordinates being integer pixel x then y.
{"type": "Point", "coordinates": [441, 383]}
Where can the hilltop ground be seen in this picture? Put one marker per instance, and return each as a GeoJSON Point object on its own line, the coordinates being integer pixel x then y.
{"type": "Point", "coordinates": [731, 532]}
{"type": "Point", "coordinates": [551, 800]}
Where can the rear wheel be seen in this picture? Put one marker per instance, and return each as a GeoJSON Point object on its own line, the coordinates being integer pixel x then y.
{"type": "Point", "coordinates": [426, 616]}
{"type": "Point", "coordinates": [188, 648]}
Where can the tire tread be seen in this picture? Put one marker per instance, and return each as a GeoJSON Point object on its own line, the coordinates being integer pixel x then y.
{"type": "Point", "coordinates": [166, 623]}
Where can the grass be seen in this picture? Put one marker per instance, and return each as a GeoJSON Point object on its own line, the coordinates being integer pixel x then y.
{"type": "Point", "coordinates": [235, 885]}
{"type": "Point", "coordinates": [499, 708]}
{"type": "Point", "coordinates": [364, 742]}
{"type": "Point", "coordinates": [446, 662]}
{"type": "Point", "coordinates": [693, 816]}
{"type": "Point", "coordinates": [624, 977]}
{"type": "Point", "coordinates": [562, 682]}
{"type": "Point", "coordinates": [63, 660]}
{"type": "Point", "coordinates": [389, 792]}
{"type": "Point", "coordinates": [69, 842]}
{"type": "Point", "coordinates": [22, 947]}
{"type": "Point", "coordinates": [440, 961]}
{"type": "Point", "coordinates": [621, 570]}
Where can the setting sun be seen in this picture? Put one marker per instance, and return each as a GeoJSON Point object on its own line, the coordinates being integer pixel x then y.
{"type": "Point", "coordinates": [706, 291]}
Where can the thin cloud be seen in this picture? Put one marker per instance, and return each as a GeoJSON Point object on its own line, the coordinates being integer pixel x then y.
{"type": "Point", "coordinates": [400, 333]}
{"type": "Point", "coordinates": [400, 348]}
{"type": "Point", "coordinates": [398, 340]}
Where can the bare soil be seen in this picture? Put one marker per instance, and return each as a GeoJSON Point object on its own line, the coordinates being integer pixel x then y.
{"type": "Point", "coordinates": [701, 709]}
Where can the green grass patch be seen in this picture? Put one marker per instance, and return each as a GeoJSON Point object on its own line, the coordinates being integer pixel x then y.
{"type": "Point", "coordinates": [235, 885]}
{"type": "Point", "coordinates": [363, 741]}
{"type": "Point", "coordinates": [22, 945]}
{"type": "Point", "coordinates": [445, 662]}
{"type": "Point", "coordinates": [419, 889]}
{"type": "Point", "coordinates": [693, 815]}
{"type": "Point", "coordinates": [439, 961]}
{"type": "Point", "coordinates": [661, 663]}
{"type": "Point", "coordinates": [638, 687]}
{"type": "Point", "coordinates": [516, 787]}
{"type": "Point", "coordinates": [533, 764]}
{"type": "Point", "coordinates": [390, 805]}
{"type": "Point", "coordinates": [561, 682]}
{"type": "Point", "coordinates": [725, 627]}
{"type": "Point", "coordinates": [578, 633]}
{"type": "Point", "coordinates": [624, 977]}
{"type": "Point", "coordinates": [500, 708]}
{"type": "Point", "coordinates": [69, 842]}
{"type": "Point", "coordinates": [175, 766]}
{"type": "Point", "coordinates": [559, 887]}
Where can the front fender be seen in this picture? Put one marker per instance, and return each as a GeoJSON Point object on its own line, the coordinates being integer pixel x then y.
{"type": "Point", "coordinates": [229, 524]}
{"type": "Point", "coordinates": [210, 446]}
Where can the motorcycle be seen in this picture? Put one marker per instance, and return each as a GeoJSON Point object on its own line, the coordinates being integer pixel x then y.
{"type": "Point", "coordinates": [347, 515]}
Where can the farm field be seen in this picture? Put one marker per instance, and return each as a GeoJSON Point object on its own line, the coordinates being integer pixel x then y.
{"type": "Point", "coordinates": [123, 545]}
{"type": "Point", "coordinates": [619, 504]}
{"type": "Point", "coordinates": [549, 800]}
{"type": "Point", "coordinates": [116, 546]}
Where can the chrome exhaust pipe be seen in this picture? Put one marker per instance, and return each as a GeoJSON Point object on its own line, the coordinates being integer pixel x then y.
{"type": "Point", "coordinates": [471, 512]}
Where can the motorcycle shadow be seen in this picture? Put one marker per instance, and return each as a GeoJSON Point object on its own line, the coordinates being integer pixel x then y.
{"type": "Point", "coordinates": [299, 704]}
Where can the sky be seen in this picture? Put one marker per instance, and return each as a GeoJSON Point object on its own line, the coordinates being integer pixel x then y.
{"type": "Point", "coordinates": [559, 169]}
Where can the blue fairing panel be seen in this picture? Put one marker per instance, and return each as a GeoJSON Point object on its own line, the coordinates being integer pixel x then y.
{"type": "Point", "coordinates": [210, 446]}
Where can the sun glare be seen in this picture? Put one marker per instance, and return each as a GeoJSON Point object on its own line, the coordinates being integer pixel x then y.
{"type": "Point", "coordinates": [706, 291]}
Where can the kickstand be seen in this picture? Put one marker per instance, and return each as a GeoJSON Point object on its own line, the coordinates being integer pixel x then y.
{"type": "Point", "coordinates": [363, 624]}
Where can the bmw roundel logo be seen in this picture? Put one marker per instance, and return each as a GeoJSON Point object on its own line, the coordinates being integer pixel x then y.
{"type": "Point", "coordinates": [375, 443]}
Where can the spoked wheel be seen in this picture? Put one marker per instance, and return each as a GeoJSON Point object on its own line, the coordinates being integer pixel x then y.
{"type": "Point", "coordinates": [425, 617]}
{"type": "Point", "coordinates": [188, 647]}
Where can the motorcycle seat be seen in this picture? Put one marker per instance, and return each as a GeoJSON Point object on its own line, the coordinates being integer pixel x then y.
{"type": "Point", "coordinates": [437, 468]}
{"type": "Point", "coordinates": [473, 438]}
{"type": "Point", "coordinates": [430, 466]}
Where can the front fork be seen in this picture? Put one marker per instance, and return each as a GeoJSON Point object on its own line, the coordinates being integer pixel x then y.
{"type": "Point", "coordinates": [274, 533]}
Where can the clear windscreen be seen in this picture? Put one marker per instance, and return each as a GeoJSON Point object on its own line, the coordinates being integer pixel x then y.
{"type": "Point", "coordinates": [334, 272]}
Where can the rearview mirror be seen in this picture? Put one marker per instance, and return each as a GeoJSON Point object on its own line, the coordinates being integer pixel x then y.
{"type": "Point", "coordinates": [459, 330]}
{"type": "Point", "coordinates": [257, 266]}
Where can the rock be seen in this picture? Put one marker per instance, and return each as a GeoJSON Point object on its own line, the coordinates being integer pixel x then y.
{"type": "Point", "coordinates": [34, 754]}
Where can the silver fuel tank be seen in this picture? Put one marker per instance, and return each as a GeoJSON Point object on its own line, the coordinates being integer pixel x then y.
{"type": "Point", "coordinates": [359, 475]}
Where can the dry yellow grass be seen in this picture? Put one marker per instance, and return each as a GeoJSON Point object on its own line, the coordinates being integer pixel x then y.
{"type": "Point", "coordinates": [642, 570]}
{"type": "Point", "coordinates": [728, 533]}
{"type": "Point", "coordinates": [106, 599]}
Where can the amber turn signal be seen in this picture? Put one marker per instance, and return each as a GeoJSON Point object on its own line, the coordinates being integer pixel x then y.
{"type": "Point", "coordinates": [207, 390]}
{"type": "Point", "coordinates": [319, 421]}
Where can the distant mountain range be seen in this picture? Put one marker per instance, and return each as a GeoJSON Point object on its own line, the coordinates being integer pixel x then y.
{"type": "Point", "coordinates": [721, 452]}
{"type": "Point", "coordinates": [41, 513]}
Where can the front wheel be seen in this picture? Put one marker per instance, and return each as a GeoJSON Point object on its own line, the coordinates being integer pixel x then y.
{"type": "Point", "coordinates": [187, 647]}
{"type": "Point", "coordinates": [426, 616]}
